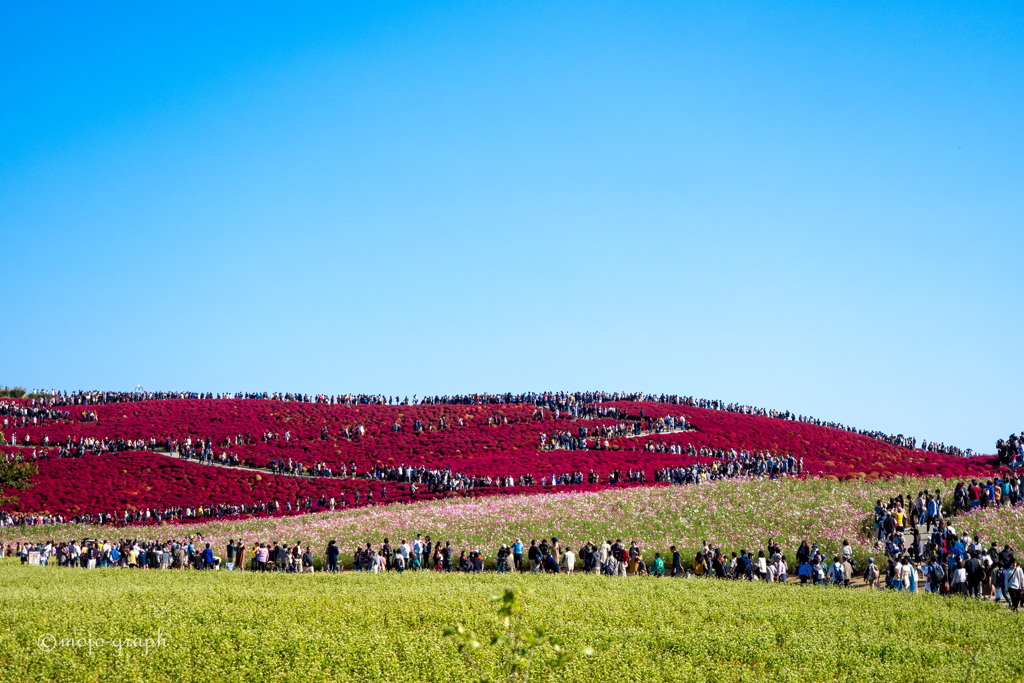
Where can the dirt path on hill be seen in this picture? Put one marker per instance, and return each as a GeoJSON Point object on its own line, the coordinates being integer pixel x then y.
{"type": "Point", "coordinates": [637, 436]}
{"type": "Point", "coordinates": [258, 470]}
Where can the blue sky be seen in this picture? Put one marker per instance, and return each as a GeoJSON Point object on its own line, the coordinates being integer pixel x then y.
{"type": "Point", "coordinates": [809, 206]}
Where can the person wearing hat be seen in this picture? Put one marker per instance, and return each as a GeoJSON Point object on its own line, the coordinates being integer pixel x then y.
{"type": "Point", "coordinates": [871, 573]}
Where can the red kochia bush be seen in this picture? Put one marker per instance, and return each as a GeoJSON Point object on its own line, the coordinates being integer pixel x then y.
{"type": "Point", "coordinates": [493, 440]}
{"type": "Point", "coordinates": [136, 480]}
{"type": "Point", "coordinates": [825, 450]}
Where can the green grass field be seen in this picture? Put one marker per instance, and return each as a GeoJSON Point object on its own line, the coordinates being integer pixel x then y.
{"type": "Point", "coordinates": [210, 626]}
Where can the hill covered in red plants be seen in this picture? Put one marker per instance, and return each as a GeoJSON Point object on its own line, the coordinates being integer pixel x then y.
{"type": "Point", "coordinates": [108, 462]}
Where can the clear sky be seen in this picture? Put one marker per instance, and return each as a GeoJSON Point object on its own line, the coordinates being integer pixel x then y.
{"type": "Point", "coordinates": [816, 207]}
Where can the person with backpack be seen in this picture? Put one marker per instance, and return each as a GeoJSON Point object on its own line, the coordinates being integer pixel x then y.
{"type": "Point", "coordinates": [745, 568]}
{"type": "Point", "coordinates": [936, 577]}
{"type": "Point", "coordinates": [623, 559]}
{"type": "Point", "coordinates": [836, 576]}
{"type": "Point", "coordinates": [818, 572]}
{"type": "Point", "coordinates": [871, 573]}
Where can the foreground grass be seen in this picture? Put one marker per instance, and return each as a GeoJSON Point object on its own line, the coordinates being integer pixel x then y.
{"type": "Point", "coordinates": [360, 627]}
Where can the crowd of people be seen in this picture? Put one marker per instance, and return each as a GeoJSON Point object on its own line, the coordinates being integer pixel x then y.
{"type": "Point", "coordinates": [982, 494]}
{"type": "Point", "coordinates": [941, 560]}
{"type": "Point", "coordinates": [577, 404]}
{"type": "Point", "coordinates": [1011, 450]}
{"type": "Point", "coordinates": [420, 481]}
{"type": "Point", "coordinates": [17, 415]}
{"type": "Point", "coordinates": [155, 515]}
{"type": "Point", "coordinates": [596, 438]}
{"type": "Point", "coordinates": [735, 464]}
{"type": "Point", "coordinates": [77, 446]}
{"type": "Point", "coordinates": [949, 563]}
{"type": "Point", "coordinates": [435, 480]}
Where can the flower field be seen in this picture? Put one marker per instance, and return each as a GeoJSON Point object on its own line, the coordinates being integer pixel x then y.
{"type": "Point", "coordinates": [137, 480]}
{"type": "Point", "coordinates": [1003, 524]}
{"type": "Point", "coordinates": [354, 626]}
{"type": "Point", "coordinates": [362, 627]}
{"type": "Point", "coordinates": [826, 451]}
{"type": "Point", "coordinates": [731, 513]}
{"type": "Point", "coordinates": [475, 440]}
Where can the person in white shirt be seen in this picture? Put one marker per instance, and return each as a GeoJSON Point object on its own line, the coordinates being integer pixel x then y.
{"type": "Point", "coordinates": [903, 571]}
{"type": "Point", "coordinates": [781, 570]}
{"type": "Point", "coordinates": [959, 582]}
{"type": "Point", "coordinates": [1014, 584]}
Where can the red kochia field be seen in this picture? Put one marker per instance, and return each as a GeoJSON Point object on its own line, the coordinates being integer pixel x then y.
{"type": "Point", "coordinates": [492, 440]}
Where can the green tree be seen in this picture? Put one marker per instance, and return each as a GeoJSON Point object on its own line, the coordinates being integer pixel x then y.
{"type": "Point", "coordinates": [15, 475]}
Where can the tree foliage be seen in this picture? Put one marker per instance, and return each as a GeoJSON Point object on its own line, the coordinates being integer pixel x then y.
{"type": "Point", "coordinates": [17, 476]}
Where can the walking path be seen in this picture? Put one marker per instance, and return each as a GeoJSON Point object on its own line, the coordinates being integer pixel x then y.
{"type": "Point", "coordinates": [637, 436]}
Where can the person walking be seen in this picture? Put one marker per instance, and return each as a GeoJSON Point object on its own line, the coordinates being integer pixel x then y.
{"type": "Point", "coordinates": [1014, 584]}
